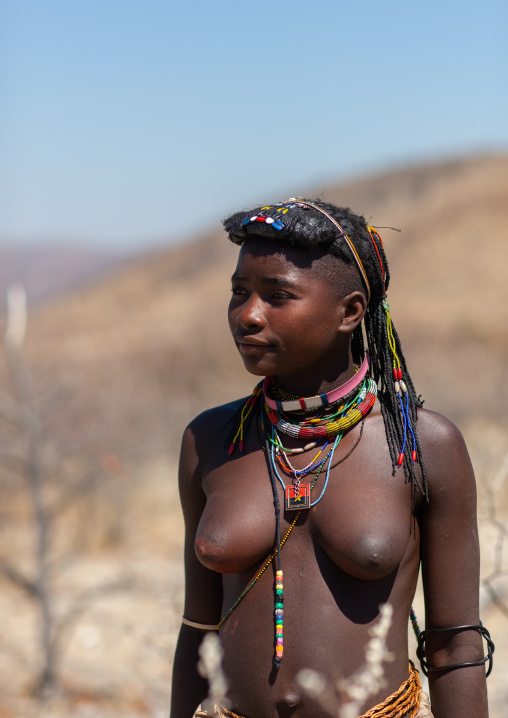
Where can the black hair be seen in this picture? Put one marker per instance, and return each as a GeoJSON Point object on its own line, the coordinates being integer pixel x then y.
{"type": "Point", "coordinates": [301, 225]}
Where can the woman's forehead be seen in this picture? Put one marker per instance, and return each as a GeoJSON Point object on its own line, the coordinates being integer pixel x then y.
{"type": "Point", "coordinates": [272, 252]}
{"type": "Point", "coordinates": [271, 258]}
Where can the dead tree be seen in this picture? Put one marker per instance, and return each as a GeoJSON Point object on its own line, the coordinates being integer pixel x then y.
{"type": "Point", "coordinates": [23, 411]}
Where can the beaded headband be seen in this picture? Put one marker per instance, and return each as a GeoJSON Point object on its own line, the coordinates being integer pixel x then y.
{"type": "Point", "coordinates": [350, 244]}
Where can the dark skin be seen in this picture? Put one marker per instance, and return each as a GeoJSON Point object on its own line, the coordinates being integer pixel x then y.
{"type": "Point", "coordinates": [359, 547]}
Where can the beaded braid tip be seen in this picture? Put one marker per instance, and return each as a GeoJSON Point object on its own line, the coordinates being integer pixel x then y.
{"type": "Point", "coordinates": [400, 389]}
{"type": "Point", "coordinates": [279, 614]}
{"type": "Point", "coordinates": [414, 623]}
{"type": "Point", "coordinates": [245, 418]}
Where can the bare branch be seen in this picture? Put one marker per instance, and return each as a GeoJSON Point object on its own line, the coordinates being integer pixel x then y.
{"type": "Point", "coordinates": [78, 490]}
{"type": "Point", "coordinates": [11, 410]}
{"type": "Point", "coordinates": [16, 577]}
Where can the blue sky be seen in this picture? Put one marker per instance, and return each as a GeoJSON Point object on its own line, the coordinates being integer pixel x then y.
{"type": "Point", "coordinates": [125, 124]}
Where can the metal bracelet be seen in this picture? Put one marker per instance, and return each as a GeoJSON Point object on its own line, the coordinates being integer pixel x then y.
{"type": "Point", "coordinates": [420, 651]}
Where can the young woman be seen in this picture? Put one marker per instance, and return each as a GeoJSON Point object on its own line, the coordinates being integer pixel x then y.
{"type": "Point", "coordinates": [315, 500]}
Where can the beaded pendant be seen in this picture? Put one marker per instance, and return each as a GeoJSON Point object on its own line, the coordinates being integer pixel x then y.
{"type": "Point", "coordinates": [297, 497]}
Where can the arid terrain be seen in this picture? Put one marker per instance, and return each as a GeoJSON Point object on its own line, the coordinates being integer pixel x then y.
{"type": "Point", "coordinates": [118, 366]}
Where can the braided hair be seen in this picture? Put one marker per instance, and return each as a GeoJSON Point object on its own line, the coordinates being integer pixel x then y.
{"type": "Point", "coordinates": [306, 225]}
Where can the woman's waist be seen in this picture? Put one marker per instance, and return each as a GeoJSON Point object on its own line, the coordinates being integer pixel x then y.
{"type": "Point", "coordinates": [278, 693]}
{"type": "Point", "coordinates": [331, 650]}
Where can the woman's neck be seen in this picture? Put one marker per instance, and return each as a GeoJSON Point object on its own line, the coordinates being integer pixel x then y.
{"type": "Point", "coordinates": [318, 382]}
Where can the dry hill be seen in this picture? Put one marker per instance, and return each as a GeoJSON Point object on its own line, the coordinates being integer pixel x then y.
{"type": "Point", "coordinates": [151, 345]}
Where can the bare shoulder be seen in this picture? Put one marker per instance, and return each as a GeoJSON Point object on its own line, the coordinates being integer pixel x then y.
{"type": "Point", "coordinates": [208, 432]}
{"type": "Point", "coordinates": [213, 424]}
{"type": "Point", "coordinates": [437, 431]}
{"type": "Point", "coordinates": [447, 464]}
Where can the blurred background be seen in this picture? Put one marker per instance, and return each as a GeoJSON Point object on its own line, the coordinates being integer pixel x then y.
{"type": "Point", "coordinates": [127, 131]}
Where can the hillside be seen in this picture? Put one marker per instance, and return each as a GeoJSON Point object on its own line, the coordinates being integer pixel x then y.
{"type": "Point", "coordinates": [47, 269]}
{"type": "Point", "coordinates": [158, 325]}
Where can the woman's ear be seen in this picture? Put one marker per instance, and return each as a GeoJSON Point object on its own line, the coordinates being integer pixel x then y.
{"type": "Point", "coordinates": [354, 306]}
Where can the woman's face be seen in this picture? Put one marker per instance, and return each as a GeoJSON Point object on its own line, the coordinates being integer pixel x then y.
{"type": "Point", "coordinates": [286, 314]}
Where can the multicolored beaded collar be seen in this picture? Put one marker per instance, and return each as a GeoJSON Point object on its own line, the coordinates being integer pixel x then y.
{"type": "Point", "coordinates": [327, 428]}
{"type": "Point", "coordinates": [316, 402]}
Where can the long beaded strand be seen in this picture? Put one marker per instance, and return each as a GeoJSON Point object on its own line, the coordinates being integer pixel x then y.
{"type": "Point", "coordinates": [400, 389]}
{"type": "Point", "coordinates": [279, 587]}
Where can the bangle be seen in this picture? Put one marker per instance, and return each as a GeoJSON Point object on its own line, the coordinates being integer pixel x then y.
{"type": "Point", "coordinates": [201, 626]}
{"type": "Point", "coordinates": [420, 651]}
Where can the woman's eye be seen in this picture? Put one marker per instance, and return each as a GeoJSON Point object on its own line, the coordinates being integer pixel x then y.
{"type": "Point", "coordinates": [280, 295]}
{"type": "Point", "coordinates": [238, 290]}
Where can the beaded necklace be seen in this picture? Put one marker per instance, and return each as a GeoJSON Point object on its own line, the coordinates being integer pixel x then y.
{"type": "Point", "coordinates": [328, 428]}
{"type": "Point", "coordinates": [315, 402]}
{"type": "Point", "coordinates": [324, 427]}
{"type": "Point", "coordinates": [298, 495]}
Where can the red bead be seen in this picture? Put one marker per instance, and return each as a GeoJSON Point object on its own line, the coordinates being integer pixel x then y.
{"type": "Point", "coordinates": [401, 459]}
{"type": "Point", "coordinates": [413, 455]}
{"type": "Point", "coordinates": [395, 373]}
{"type": "Point", "coordinates": [241, 445]}
{"type": "Point", "coordinates": [260, 219]}
{"type": "Point", "coordinates": [399, 373]}
{"type": "Point", "coordinates": [231, 448]}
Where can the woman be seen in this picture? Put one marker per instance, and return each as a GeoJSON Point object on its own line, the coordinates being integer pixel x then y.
{"type": "Point", "coordinates": [313, 502]}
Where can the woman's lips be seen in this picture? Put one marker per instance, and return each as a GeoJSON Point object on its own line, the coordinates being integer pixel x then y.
{"type": "Point", "coordinates": [253, 348]}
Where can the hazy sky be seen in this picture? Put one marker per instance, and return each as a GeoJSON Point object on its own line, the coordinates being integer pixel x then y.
{"type": "Point", "coordinates": [125, 123]}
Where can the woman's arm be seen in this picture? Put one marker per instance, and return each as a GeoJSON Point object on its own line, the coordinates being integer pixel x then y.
{"type": "Point", "coordinates": [203, 588]}
{"type": "Point", "coordinates": [450, 570]}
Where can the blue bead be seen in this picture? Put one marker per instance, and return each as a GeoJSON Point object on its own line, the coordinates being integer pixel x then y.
{"type": "Point", "coordinates": [278, 225]}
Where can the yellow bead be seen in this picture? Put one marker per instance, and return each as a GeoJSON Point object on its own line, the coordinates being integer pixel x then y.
{"type": "Point", "coordinates": [279, 585]}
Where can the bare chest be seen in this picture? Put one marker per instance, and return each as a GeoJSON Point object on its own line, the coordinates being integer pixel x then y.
{"type": "Point", "coordinates": [363, 521]}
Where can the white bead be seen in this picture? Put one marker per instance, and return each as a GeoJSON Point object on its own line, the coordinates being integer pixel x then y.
{"type": "Point", "coordinates": [310, 446]}
{"type": "Point", "coordinates": [269, 220]}
{"type": "Point", "coordinates": [403, 386]}
{"type": "Point", "coordinates": [253, 219]}
{"type": "Point", "coordinates": [397, 387]}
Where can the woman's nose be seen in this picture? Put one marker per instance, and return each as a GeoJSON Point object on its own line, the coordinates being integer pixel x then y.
{"type": "Point", "coordinates": [251, 313]}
